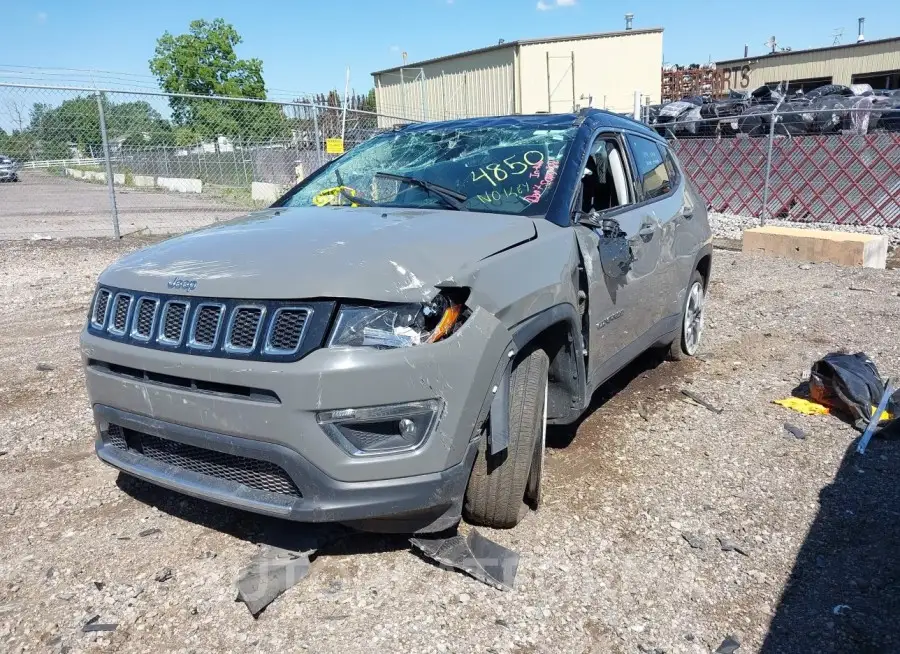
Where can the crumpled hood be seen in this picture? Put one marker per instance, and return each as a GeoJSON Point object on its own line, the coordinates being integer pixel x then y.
{"type": "Point", "coordinates": [370, 253]}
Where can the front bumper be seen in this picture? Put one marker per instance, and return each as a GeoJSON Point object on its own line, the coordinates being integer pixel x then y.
{"type": "Point", "coordinates": [429, 501]}
{"type": "Point", "coordinates": [334, 485]}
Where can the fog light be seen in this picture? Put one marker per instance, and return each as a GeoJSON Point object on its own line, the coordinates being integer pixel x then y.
{"type": "Point", "coordinates": [407, 429]}
{"type": "Point", "coordinates": [381, 429]}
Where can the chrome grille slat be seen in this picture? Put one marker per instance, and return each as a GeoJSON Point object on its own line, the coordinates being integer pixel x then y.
{"type": "Point", "coordinates": [286, 330]}
{"type": "Point", "coordinates": [121, 310]}
{"type": "Point", "coordinates": [171, 328]}
{"type": "Point", "coordinates": [205, 328]}
{"type": "Point", "coordinates": [101, 305]}
{"type": "Point", "coordinates": [244, 328]}
{"type": "Point", "coordinates": [144, 318]}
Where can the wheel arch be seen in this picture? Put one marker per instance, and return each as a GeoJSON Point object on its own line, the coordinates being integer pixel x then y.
{"type": "Point", "coordinates": [557, 331]}
{"type": "Point", "coordinates": [703, 264]}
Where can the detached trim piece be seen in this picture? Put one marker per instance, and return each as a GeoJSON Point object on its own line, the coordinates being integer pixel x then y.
{"type": "Point", "coordinates": [498, 439]}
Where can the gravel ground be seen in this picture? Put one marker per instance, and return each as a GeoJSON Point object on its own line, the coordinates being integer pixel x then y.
{"type": "Point", "coordinates": [606, 565]}
{"type": "Point", "coordinates": [45, 205]}
{"type": "Point", "coordinates": [732, 226]}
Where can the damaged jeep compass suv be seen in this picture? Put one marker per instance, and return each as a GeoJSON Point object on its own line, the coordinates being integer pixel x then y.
{"type": "Point", "coordinates": [385, 345]}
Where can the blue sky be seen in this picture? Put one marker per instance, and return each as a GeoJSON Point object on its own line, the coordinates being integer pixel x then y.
{"type": "Point", "coordinates": [305, 46]}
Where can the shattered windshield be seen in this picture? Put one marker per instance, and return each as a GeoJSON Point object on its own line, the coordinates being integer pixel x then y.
{"type": "Point", "coordinates": [508, 169]}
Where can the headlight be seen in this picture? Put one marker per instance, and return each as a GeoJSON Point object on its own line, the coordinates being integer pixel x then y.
{"type": "Point", "coordinates": [399, 325]}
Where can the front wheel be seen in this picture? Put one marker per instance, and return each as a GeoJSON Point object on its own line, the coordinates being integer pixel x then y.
{"type": "Point", "coordinates": [498, 489]}
{"type": "Point", "coordinates": [688, 342]}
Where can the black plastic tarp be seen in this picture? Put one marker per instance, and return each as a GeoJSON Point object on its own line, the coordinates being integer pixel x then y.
{"type": "Point", "coordinates": [851, 385]}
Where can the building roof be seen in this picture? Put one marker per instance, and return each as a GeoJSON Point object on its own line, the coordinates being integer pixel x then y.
{"type": "Point", "coordinates": [796, 52]}
{"type": "Point", "coordinates": [510, 44]}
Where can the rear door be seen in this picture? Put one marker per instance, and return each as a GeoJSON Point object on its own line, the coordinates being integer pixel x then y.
{"type": "Point", "coordinates": [660, 208]}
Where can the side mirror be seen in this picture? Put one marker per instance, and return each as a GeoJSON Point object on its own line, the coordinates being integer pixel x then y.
{"type": "Point", "coordinates": [615, 256]}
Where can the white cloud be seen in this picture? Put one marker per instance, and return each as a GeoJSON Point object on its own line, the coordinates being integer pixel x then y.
{"type": "Point", "coordinates": [553, 4]}
{"type": "Point", "coordinates": [394, 48]}
{"type": "Point", "coordinates": [41, 17]}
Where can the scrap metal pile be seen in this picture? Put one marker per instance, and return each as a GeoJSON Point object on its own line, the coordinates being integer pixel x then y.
{"type": "Point", "coordinates": [830, 109]}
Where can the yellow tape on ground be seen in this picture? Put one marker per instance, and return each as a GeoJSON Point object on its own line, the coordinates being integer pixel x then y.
{"type": "Point", "coordinates": [800, 405]}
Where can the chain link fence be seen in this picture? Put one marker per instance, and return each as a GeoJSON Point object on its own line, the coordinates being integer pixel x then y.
{"type": "Point", "coordinates": [111, 163]}
{"type": "Point", "coordinates": [103, 163]}
{"type": "Point", "coordinates": [836, 164]}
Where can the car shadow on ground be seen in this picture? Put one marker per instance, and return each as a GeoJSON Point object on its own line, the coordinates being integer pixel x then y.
{"type": "Point", "coordinates": [561, 436]}
{"type": "Point", "coordinates": [843, 594]}
{"type": "Point", "coordinates": [328, 538]}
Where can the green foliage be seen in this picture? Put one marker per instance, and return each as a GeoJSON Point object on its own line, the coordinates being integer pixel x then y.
{"type": "Point", "coordinates": [73, 128]}
{"type": "Point", "coordinates": [18, 144]}
{"type": "Point", "coordinates": [204, 62]}
{"type": "Point", "coordinates": [137, 123]}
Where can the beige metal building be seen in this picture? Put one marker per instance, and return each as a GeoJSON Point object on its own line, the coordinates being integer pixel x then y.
{"type": "Point", "coordinates": [867, 62]}
{"type": "Point", "coordinates": [553, 75]}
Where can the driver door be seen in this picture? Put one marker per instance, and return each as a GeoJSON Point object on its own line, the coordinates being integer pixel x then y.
{"type": "Point", "coordinates": [621, 252]}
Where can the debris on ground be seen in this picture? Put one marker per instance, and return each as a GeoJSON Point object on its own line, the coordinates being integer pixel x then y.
{"type": "Point", "coordinates": [861, 288]}
{"type": "Point", "coordinates": [270, 573]}
{"type": "Point", "coordinates": [840, 609]}
{"type": "Point", "coordinates": [642, 412]}
{"type": "Point", "coordinates": [483, 559]}
{"type": "Point", "coordinates": [794, 431]}
{"type": "Point", "coordinates": [150, 532]}
{"type": "Point", "coordinates": [851, 385]}
{"type": "Point", "coordinates": [804, 406]}
{"type": "Point", "coordinates": [693, 540]}
{"type": "Point", "coordinates": [728, 544]}
{"type": "Point", "coordinates": [729, 646]}
{"type": "Point", "coordinates": [45, 367]}
{"type": "Point", "coordinates": [876, 418]}
{"type": "Point", "coordinates": [93, 625]}
{"type": "Point", "coordinates": [163, 575]}
{"type": "Point", "coordinates": [699, 400]}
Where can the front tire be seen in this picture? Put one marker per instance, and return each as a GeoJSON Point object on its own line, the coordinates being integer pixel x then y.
{"type": "Point", "coordinates": [692, 317]}
{"type": "Point", "coordinates": [497, 489]}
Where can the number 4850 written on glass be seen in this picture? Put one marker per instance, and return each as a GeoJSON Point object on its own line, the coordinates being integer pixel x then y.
{"type": "Point", "coordinates": [495, 172]}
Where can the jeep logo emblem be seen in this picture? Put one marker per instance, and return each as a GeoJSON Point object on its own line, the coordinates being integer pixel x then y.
{"type": "Point", "coordinates": [183, 284]}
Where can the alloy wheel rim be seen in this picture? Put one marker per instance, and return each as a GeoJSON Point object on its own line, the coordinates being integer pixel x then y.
{"type": "Point", "coordinates": [693, 319]}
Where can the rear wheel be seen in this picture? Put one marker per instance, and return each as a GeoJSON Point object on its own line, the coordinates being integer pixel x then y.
{"type": "Point", "coordinates": [498, 486]}
{"type": "Point", "coordinates": [688, 342]}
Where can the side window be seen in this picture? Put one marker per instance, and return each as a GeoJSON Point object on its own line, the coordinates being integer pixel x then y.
{"type": "Point", "coordinates": [604, 182]}
{"type": "Point", "coordinates": [671, 167]}
{"type": "Point", "coordinates": [651, 168]}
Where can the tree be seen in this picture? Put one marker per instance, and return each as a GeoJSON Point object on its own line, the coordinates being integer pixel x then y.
{"type": "Point", "coordinates": [137, 123]}
{"type": "Point", "coordinates": [204, 62]}
{"type": "Point", "coordinates": [74, 126]}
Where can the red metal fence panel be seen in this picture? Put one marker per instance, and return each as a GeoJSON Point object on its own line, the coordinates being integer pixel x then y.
{"type": "Point", "coordinates": [842, 179]}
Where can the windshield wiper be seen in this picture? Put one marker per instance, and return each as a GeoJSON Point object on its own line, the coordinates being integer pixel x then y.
{"type": "Point", "coordinates": [349, 196]}
{"type": "Point", "coordinates": [449, 196]}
